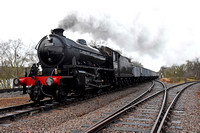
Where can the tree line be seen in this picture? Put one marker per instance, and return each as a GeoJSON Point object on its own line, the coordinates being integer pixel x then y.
{"type": "Point", "coordinates": [191, 69]}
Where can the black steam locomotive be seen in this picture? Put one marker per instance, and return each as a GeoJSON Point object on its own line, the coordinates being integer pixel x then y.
{"type": "Point", "coordinates": [68, 68]}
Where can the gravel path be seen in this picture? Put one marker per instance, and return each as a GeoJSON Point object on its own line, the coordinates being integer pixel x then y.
{"type": "Point", "coordinates": [65, 119]}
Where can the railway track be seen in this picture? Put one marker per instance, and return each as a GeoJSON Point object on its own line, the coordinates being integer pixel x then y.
{"type": "Point", "coordinates": [143, 116]}
{"type": "Point", "coordinates": [14, 112]}
{"type": "Point", "coordinates": [171, 121]}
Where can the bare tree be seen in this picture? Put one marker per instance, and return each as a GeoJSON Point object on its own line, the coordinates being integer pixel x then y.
{"type": "Point", "coordinates": [197, 68]}
{"type": "Point", "coordinates": [15, 56]}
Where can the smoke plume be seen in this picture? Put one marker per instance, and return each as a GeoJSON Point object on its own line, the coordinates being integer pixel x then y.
{"type": "Point", "coordinates": [131, 37]}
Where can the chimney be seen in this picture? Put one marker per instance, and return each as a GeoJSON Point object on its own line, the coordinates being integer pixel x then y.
{"type": "Point", "coordinates": [58, 31]}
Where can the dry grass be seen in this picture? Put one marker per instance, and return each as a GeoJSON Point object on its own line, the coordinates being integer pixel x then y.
{"type": "Point", "coordinates": [176, 80]}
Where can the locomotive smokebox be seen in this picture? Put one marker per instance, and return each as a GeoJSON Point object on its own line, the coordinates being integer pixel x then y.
{"type": "Point", "coordinates": [58, 31]}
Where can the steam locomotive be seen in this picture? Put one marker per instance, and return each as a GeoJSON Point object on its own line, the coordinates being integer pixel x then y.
{"type": "Point", "coordinates": [68, 68]}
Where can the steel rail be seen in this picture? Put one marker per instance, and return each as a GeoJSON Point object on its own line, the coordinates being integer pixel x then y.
{"type": "Point", "coordinates": [156, 124]}
{"type": "Point", "coordinates": [98, 126]}
{"type": "Point", "coordinates": [171, 105]}
{"type": "Point", "coordinates": [137, 98]}
{"type": "Point", "coordinates": [22, 106]}
{"type": "Point", "coordinates": [13, 112]}
{"type": "Point", "coordinates": [18, 113]}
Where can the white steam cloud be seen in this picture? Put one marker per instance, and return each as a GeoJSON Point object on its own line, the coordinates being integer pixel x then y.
{"type": "Point", "coordinates": [131, 38]}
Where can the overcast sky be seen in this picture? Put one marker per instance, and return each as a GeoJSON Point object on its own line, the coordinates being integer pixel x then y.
{"type": "Point", "coordinates": [153, 32]}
